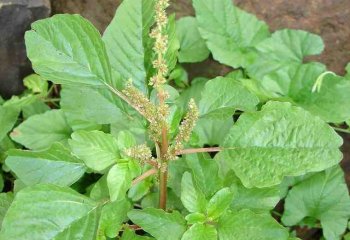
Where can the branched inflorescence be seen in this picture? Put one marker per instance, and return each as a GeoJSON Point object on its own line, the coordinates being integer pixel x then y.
{"type": "Point", "coordinates": [160, 47]}
{"type": "Point", "coordinates": [142, 153]}
{"type": "Point", "coordinates": [157, 114]}
{"type": "Point", "coordinates": [185, 130]}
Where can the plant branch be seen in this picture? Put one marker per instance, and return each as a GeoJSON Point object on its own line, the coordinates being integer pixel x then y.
{"type": "Point", "coordinates": [199, 150]}
{"type": "Point", "coordinates": [144, 176]}
{"type": "Point", "coordinates": [342, 130]}
{"type": "Point", "coordinates": [126, 99]}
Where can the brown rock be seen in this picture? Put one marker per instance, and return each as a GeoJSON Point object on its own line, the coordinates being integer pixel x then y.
{"type": "Point", "coordinates": [15, 18]}
{"type": "Point", "coordinates": [327, 18]}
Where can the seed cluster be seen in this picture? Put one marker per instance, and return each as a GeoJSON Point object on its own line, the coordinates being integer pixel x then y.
{"type": "Point", "coordinates": [160, 47]}
{"type": "Point", "coordinates": [185, 130]}
{"type": "Point", "coordinates": [142, 153]}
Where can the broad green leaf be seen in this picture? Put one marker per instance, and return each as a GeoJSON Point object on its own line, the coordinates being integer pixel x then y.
{"type": "Point", "coordinates": [36, 84]}
{"type": "Point", "coordinates": [125, 140]}
{"type": "Point", "coordinates": [160, 224]}
{"type": "Point", "coordinates": [192, 198]}
{"type": "Point", "coordinates": [180, 76]}
{"type": "Point", "coordinates": [97, 149]}
{"type": "Point", "coordinates": [127, 37]}
{"type": "Point", "coordinates": [130, 235]}
{"type": "Point", "coordinates": [280, 140]}
{"type": "Point", "coordinates": [8, 118]}
{"type": "Point", "coordinates": [222, 96]}
{"type": "Point", "coordinates": [347, 236]}
{"type": "Point", "coordinates": [99, 190]}
{"type": "Point", "coordinates": [229, 32]}
{"type": "Point", "coordinates": [200, 231]}
{"type": "Point", "coordinates": [138, 191]}
{"type": "Point", "coordinates": [331, 102]}
{"type": "Point", "coordinates": [192, 46]}
{"type": "Point", "coordinates": [55, 165]}
{"type": "Point", "coordinates": [71, 51]}
{"type": "Point", "coordinates": [194, 218]}
{"type": "Point", "coordinates": [172, 52]}
{"type": "Point", "coordinates": [219, 203]}
{"type": "Point", "coordinates": [176, 170]}
{"type": "Point", "coordinates": [37, 107]}
{"type": "Point", "coordinates": [245, 225]}
{"type": "Point", "coordinates": [20, 102]}
{"type": "Point", "coordinates": [255, 199]}
{"type": "Point", "coordinates": [173, 201]}
{"type": "Point", "coordinates": [44, 212]}
{"type": "Point", "coordinates": [325, 197]}
{"type": "Point", "coordinates": [5, 145]}
{"type": "Point", "coordinates": [119, 181]}
{"type": "Point", "coordinates": [283, 50]}
{"type": "Point", "coordinates": [194, 91]}
{"type": "Point", "coordinates": [41, 131]}
{"type": "Point", "coordinates": [113, 214]}
{"type": "Point", "coordinates": [212, 131]}
{"type": "Point", "coordinates": [205, 172]}
{"type": "Point", "coordinates": [86, 107]}
{"type": "Point", "coordinates": [136, 125]}
{"type": "Point", "coordinates": [5, 202]}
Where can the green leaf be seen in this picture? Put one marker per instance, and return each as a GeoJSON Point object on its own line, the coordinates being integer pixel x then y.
{"type": "Point", "coordinates": [127, 37]}
{"type": "Point", "coordinates": [192, 198]}
{"type": "Point", "coordinates": [192, 46]}
{"type": "Point", "coordinates": [119, 181]}
{"type": "Point", "coordinates": [222, 96]}
{"type": "Point", "coordinates": [284, 49]}
{"type": "Point", "coordinates": [255, 199]}
{"type": "Point", "coordinates": [212, 131]}
{"type": "Point", "coordinates": [37, 107]}
{"type": "Point", "coordinates": [130, 235]}
{"type": "Point", "coordinates": [205, 172]}
{"type": "Point", "coordinates": [194, 218]}
{"type": "Point", "coordinates": [41, 131]}
{"type": "Point", "coordinates": [245, 225]}
{"type": "Point", "coordinates": [331, 102]}
{"type": "Point", "coordinates": [136, 125]}
{"type": "Point", "coordinates": [161, 225]}
{"type": "Point", "coordinates": [324, 196]}
{"type": "Point", "coordinates": [172, 52]}
{"type": "Point", "coordinates": [280, 140]}
{"type": "Point", "coordinates": [99, 190]}
{"type": "Point", "coordinates": [200, 231]}
{"type": "Point", "coordinates": [46, 212]}
{"type": "Point", "coordinates": [97, 149]}
{"type": "Point", "coordinates": [113, 214]}
{"type": "Point", "coordinates": [219, 203]}
{"type": "Point", "coordinates": [194, 91]}
{"type": "Point", "coordinates": [55, 165]}
{"type": "Point", "coordinates": [5, 202]}
{"type": "Point", "coordinates": [71, 51]}
{"type": "Point", "coordinates": [36, 84]}
{"type": "Point", "coordinates": [8, 118]}
{"type": "Point", "coordinates": [229, 32]}
{"type": "Point", "coordinates": [125, 140]}
{"type": "Point", "coordinates": [87, 107]}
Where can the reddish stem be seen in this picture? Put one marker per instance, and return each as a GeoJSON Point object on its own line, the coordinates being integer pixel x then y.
{"type": "Point", "coordinates": [144, 176]}
{"type": "Point", "coordinates": [199, 150]}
